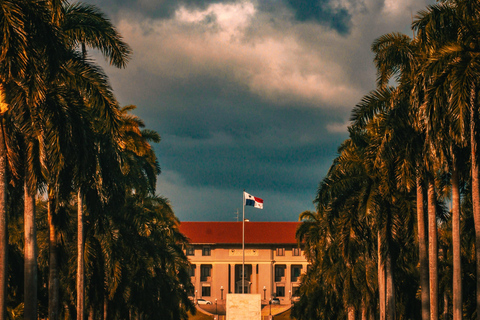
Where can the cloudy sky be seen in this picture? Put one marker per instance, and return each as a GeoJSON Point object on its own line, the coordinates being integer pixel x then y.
{"type": "Point", "coordinates": [248, 94]}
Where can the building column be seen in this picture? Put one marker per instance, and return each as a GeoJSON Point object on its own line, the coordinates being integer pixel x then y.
{"type": "Point", "coordinates": [288, 282]}
{"type": "Point", "coordinates": [232, 278]}
{"type": "Point", "coordinates": [254, 277]}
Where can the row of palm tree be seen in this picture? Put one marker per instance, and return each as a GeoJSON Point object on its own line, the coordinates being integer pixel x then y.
{"type": "Point", "coordinates": [62, 133]}
{"type": "Point", "coordinates": [412, 150]}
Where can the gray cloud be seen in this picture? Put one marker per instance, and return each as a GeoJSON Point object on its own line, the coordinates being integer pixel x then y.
{"type": "Point", "coordinates": [248, 95]}
{"type": "Point", "coordinates": [322, 12]}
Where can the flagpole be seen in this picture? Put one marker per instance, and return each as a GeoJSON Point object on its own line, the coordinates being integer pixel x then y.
{"type": "Point", "coordinates": [243, 244]}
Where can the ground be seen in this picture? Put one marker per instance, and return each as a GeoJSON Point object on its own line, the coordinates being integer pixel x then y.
{"type": "Point", "coordinates": [280, 312]}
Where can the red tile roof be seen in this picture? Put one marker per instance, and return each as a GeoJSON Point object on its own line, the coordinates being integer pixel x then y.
{"type": "Point", "coordinates": [231, 232]}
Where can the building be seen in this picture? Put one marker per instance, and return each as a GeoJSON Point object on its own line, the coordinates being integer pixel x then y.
{"type": "Point", "coordinates": [273, 259]}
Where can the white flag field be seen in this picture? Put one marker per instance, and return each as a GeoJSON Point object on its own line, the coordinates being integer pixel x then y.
{"type": "Point", "coordinates": [252, 201]}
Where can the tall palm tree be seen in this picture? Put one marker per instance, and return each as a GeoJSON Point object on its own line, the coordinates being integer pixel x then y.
{"type": "Point", "coordinates": [27, 26]}
{"type": "Point", "coordinates": [454, 68]}
{"type": "Point", "coordinates": [15, 50]}
{"type": "Point", "coordinates": [85, 25]}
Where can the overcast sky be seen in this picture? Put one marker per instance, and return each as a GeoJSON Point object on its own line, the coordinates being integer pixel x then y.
{"type": "Point", "coordinates": [252, 94]}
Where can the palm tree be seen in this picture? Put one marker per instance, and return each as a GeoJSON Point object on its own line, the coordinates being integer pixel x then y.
{"type": "Point", "coordinates": [453, 67]}
{"type": "Point", "coordinates": [17, 42]}
{"type": "Point", "coordinates": [397, 55]}
{"type": "Point", "coordinates": [85, 25]}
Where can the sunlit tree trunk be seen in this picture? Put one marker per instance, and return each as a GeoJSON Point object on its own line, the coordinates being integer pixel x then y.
{"type": "Point", "coordinates": [3, 225]}
{"type": "Point", "coordinates": [475, 191]}
{"type": "Point", "coordinates": [30, 256]}
{"type": "Point", "coordinates": [105, 307]}
{"type": "Point", "coordinates": [422, 252]}
{"type": "Point", "coordinates": [91, 314]}
{"type": "Point", "coordinates": [445, 306]}
{"type": "Point", "coordinates": [364, 310]}
{"type": "Point", "coordinates": [80, 260]}
{"type": "Point", "coordinates": [351, 313]}
{"type": "Point", "coordinates": [53, 270]}
{"type": "Point", "coordinates": [381, 278]}
{"type": "Point", "coordinates": [390, 288]}
{"type": "Point", "coordinates": [457, 262]}
{"type": "Point", "coordinates": [433, 251]}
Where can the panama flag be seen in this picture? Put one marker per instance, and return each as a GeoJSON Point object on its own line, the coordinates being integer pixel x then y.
{"type": "Point", "coordinates": [253, 201]}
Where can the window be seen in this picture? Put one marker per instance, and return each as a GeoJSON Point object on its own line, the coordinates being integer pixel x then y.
{"type": "Point", "coordinates": [191, 270]}
{"type": "Point", "coordinates": [280, 251]}
{"type": "Point", "coordinates": [206, 251]}
{"type": "Point", "coordinates": [205, 272]}
{"type": "Point", "coordinates": [280, 292]}
{"type": "Point", "coordinates": [205, 291]}
{"type": "Point", "coordinates": [247, 274]}
{"type": "Point", "coordinates": [279, 273]}
{"type": "Point", "coordinates": [295, 292]}
{"type": "Point", "coordinates": [296, 271]}
{"type": "Point", "coordinates": [190, 251]}
{"type": "Point", "coordinates": [296, 252]}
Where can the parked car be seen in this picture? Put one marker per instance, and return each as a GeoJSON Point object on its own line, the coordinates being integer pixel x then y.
{"type": "Point", "coordinates": [275, 301]}
{"type": "Point", "coordinates": [203, 301]}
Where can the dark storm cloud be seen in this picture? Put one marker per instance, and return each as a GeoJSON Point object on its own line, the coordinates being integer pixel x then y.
{"type": "Point", "coordinates": [286, 152]}
{"type": "Point", "coordinates": [319, 11]}
{"type": "Point", "coordinates": [322, 12]}
{"type": "Point", "coordinates": [247, 95]}
{"type": "Point", "coordinates": [162, 9]}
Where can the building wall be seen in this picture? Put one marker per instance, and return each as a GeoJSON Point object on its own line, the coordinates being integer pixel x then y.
{"type": "Point", "coordinates": [267, 273]}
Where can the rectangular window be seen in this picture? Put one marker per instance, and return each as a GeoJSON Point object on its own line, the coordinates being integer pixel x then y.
{"type": "Point", "coordinates": [206, 251]}
{"type": "Point", "coordinates": [280, 292]}
{"type": "Point", "coordinates": [205, 291]}
{"type": "Point", "coordinates": [191, 270]}
{"type": "Point", "coordinates": [279, 273]}
{"type": "Point", "coordinates": [296, 252]}
{"type": "Point", "coordinates": [296, 271]}
{"type": "Point", "coordinates": [295, 292]}
{"type": "Point", "coordinates": [205, 272]}
{"type": "Point", "coordinates": [280, 251]}
{"type": "Point", "coordinates": [190, 251]}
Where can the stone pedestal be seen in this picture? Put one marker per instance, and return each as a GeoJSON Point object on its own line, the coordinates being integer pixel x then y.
{"type": "Point", "coordinates": [244, 307]}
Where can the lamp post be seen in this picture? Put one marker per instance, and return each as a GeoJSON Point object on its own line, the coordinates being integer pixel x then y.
{"type": "Point", "coordinates": [221, 289]}
{"type": "Point", "coordinates": [270, 302]}
{"type": "Point", "coordinates": [216, 313]}
{"type": "Point", "coordinates": [264, 293]}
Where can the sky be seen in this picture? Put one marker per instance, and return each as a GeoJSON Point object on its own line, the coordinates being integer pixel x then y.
{"type": "Point", "coordinates": [250, 95]}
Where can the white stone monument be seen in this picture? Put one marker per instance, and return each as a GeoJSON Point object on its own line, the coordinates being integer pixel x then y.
{"type": "Point", "coordinates": [244, 306]}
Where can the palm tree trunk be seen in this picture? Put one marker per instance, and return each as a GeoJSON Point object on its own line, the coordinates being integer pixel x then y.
{"type": "Point", "coordinates": [422, 252]}
{"type": "Point", "coordinates": [80, 260]}
{"type": "Point", "coordinates": [351, 312]}
{"type": "Point", "coordinates": [105, 307]}
{"type": "Point", "coordinates": [3, 226]}
{"type": "Point", "coordinates": [445, 305]}
{"type": "Point", "coordinates": [30, 255]}
{"type": "Point", "coordinates": [433, 251]}
{"type": "Point", "coordinates": [475, 191]}
{"type": "Point", "coordinates": [91, 314]}
{"type": "Point", "coordinates": [457, 262]}
{"type": "Point", "coordinates": [390, 288]}
{"type": "Point", "coordinates": [381, 278]}
{"type": "Point", "coordinates": [53, 280]}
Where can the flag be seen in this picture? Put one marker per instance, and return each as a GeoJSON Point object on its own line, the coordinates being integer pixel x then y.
{"type": "Point", "coordinates": [253, 201]}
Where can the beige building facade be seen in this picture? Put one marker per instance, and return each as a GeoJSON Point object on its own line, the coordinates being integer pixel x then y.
{"type": "Point", "coordinates": [273, 260]}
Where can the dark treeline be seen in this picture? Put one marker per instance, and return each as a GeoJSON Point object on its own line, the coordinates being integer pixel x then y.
{"type": "Point", "coordinates": [396, 231]}
{"type": "Point", "coordinates": [82, 232]}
